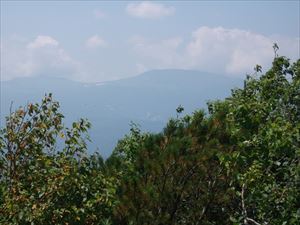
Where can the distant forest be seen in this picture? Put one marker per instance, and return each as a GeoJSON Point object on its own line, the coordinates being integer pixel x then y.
{"type": "Point", "coordinates": [238, 162]}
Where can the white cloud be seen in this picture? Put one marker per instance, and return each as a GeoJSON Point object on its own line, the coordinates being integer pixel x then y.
{"type": "Point", "coordinates": [159, 54]}
{"type": "Point", "coordinates": [230, 50]}
{"type": "Point", "coordinates": [234, 52]}
{"type": "Point", "coordinates": [98, 14]}
{"type": "Point", "coordinates": [42, 56]}
{"type": "Point", "coordinates": [42, 41]}
{"type": "Point", "coordinates": [95, 42]}
{"type": "Point", "coordinates": [140, 68]}
{"type": "Point", "coordinates": [149, 10]}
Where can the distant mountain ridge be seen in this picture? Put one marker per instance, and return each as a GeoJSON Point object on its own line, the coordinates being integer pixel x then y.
{"type": "Point", "coordinates": [149, 99]}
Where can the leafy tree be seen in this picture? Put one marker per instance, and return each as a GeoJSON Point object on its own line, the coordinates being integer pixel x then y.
{"type": "Point", "coordinates": [263, 120]}
{"type": "Point", "coordinates": [43, 185]}
{"type": "Point", "coordinates": [239, 164]}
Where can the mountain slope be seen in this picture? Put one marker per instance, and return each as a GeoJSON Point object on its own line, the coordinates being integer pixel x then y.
{"type": "Point", "coordinates": [149, 99]}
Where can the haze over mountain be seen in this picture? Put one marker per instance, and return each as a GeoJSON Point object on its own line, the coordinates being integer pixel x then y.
{"type": "Point", "coordinates": [149, 99]}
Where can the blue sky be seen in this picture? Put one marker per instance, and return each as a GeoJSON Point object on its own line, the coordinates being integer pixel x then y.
{"type": "Point", "coordinates": [94, 41]}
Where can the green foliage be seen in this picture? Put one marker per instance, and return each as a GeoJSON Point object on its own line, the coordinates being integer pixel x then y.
{"type": "Point", "coordinates": [237, 164]}
{"type": "Point", "coordinates": [174, 177]}
{"type": "Point", "coordinates": [263, 119]}
{"type": "Point", "coordinates": [43, 185]}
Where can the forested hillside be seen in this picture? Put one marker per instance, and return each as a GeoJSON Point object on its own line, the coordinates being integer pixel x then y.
{"type": "Point", "coordinates": [239, 163]}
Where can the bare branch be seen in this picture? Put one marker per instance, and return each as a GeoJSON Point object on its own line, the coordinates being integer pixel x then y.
{"type": "Point", "coordinates": [246, 218]}
{"type": "Point", "coordinates": [252, 221]}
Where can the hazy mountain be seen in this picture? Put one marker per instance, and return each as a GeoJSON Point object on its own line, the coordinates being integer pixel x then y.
{"type": "Point", "coordinates": [149, 99]}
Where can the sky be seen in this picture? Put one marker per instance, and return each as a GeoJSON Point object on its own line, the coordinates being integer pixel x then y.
{"type": "Point", "coordinates": [96, 41]}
